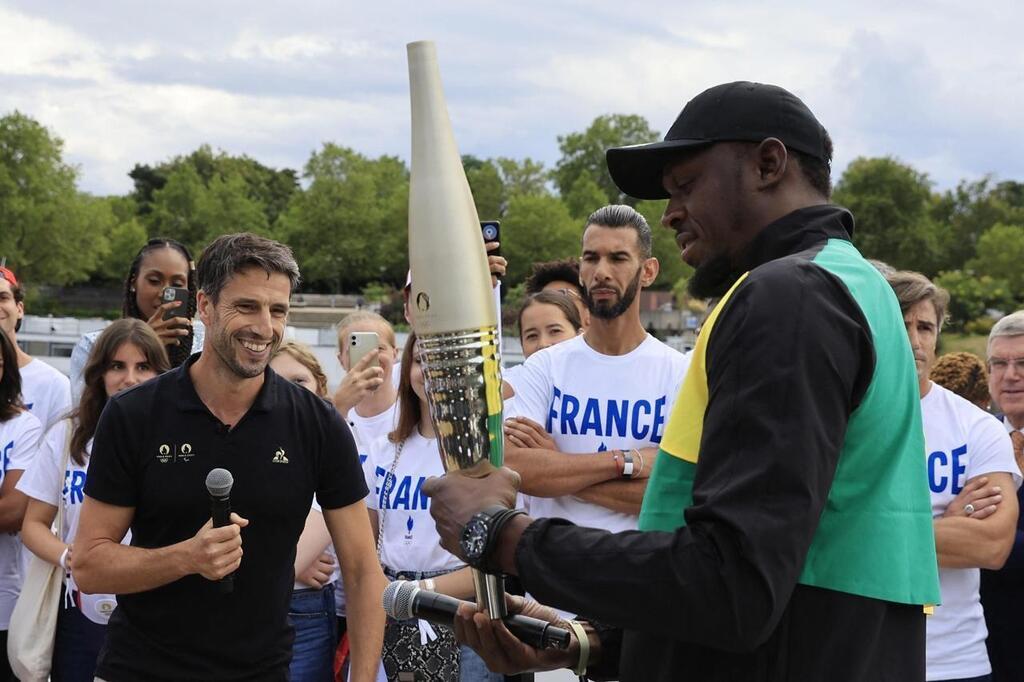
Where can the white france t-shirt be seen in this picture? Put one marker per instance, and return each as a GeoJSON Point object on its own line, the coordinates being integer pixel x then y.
{"type": "Point", "coordinates": [962, 441]}
{"type": "Point", "coordinates": [411, 542]}
{"type": "Point", "coordinates": [46, 392]}
{"type": "Point", "coordinates": [44, 481]}
{"type": "Point", "coordinates": [590, 402]}
{"type": "Point", "coordinates": [19, 442]}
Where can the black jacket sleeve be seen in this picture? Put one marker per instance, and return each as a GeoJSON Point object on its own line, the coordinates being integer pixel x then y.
{"type": "Point", "coordinates": [788, 361]}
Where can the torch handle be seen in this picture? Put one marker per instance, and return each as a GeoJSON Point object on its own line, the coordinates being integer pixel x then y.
{"type": "Point", "coordinates": [490, 594]}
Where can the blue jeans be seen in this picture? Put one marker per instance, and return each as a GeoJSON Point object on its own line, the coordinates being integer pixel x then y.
{"type": "Point", "coordinates": [316, 634]}
{"type": "Point", "coordinates": [76, 645]}
{"type": "Point", "coordinates": [473, 669]}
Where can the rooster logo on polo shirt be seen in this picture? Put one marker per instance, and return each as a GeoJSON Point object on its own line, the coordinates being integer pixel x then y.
{"type": "Point", "coordinates": [279, 457]}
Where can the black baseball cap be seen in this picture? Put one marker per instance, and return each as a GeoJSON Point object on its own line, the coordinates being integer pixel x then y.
{"type": "Point", "coordinates": [733, 112]}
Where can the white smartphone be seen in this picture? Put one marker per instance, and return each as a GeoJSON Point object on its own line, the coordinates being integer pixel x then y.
{"type": "Point", "coordinates": [359, 344]}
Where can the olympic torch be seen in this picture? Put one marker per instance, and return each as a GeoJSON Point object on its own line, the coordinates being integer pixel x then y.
{"type": "Point", "coordinates": [452, 306]}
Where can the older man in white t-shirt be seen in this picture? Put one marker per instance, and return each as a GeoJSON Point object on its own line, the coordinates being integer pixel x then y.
{"type": "Point", "coordinates": [972, 476]}
{"type": "Point", "coordinates": [589, 413]}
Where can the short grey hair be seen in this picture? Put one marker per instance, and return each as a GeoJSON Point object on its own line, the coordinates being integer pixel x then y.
{"type": "Point", "coordinates": [1011, 325]}
{"type": "Point", "coordinates": [621, 215]}
{"type": "Point", "coordinates": [230, 254]}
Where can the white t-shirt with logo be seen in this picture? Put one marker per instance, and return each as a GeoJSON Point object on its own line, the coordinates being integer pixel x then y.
{"type": "Point", "coordinates": [44, 481]}
{"type": "Point", "coordinates": [590, 402]}
{"type": "Point", "coordinates": [962, 441]}
{"type": "Point", "coordinates": [19, 442]}
{"type": "Point", "coordinates": [46, 392]}
{"type": "Point", "coordinates": [410, 542]}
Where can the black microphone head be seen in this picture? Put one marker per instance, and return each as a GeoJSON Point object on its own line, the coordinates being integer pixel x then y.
{"type": "Point", "coordinates": [219, 482]}
{"type": "Point", "coordinates": [398, 599]}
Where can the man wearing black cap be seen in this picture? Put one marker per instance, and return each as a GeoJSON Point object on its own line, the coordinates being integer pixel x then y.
{"type": "Point", "coordinates": [786, 531]}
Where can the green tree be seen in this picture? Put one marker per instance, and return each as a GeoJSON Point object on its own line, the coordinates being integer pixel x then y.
{"type": "Point", "coordinates": [583, 154]}
{"type": "Point", "coordinates": [970, 295]}
{"type": "Point", "coordinates": [126, 237]}
{"type": "Point", "coordinates": [891, 202]}
{"type": "Point", "coordinates": [663, 246]}
{"type": "Point", "coordinates": [177, 208]}
{"type": "Point", "coordinates": [349, 227]}
{"type": "Point", "coordinates": [195, 212]}
{"type": "Point", "coordinates": [486, 185]}
{"type": "Point", "coordinates": [525, 177]}
{"type": "Point", "coordinates": [270, 189]}
{"type": "Point", "coordinates": [966, 212]}
{"type": "Point", "coordinates": [536, 228]}
{"type": "Point", "coordinates": [1001, 255]}
{"type": "Point", "coordinates": [583, 198]}
{"type": "Point", "coordinates": [49, 232]}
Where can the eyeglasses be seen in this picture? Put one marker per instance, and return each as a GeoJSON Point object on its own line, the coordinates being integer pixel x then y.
{"type": "Point", "coordinates": [999, 365]}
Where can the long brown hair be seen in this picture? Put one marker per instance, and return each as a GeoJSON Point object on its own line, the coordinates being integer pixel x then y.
{"type": "Point", "coordinates": [94, 395]}
{"type": "Point", "coordinates": [10, 384]}
{"type": "Point", "coordinates": [408, 402]}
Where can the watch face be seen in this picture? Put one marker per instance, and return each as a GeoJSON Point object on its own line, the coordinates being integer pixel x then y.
{"type": "Point", "coordinates": [474, 539]}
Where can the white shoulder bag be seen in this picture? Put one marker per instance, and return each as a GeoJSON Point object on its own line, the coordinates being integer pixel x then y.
{"type": "Point", "coordinates": [34, 619]}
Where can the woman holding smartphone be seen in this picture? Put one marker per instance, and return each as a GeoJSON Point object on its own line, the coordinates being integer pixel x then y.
{"type": "Point", "coordinates": [127, 353]}
{"type": "Point", "coordinates": [162, 265]}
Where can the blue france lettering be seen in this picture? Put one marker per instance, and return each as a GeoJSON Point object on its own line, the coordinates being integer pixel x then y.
{"type": "Point", "coordinates": [639, 419]}
{"type": "Point", "coordinates": [591, 418]}
{"type": "Point", "coordinates": [5, 459]}
{"type": "Point", "coordinates": [570, 407]}
{"type": "Point", "coordinates": [552, 412]}
{"type": "Point", "coordinates": [404, 493]}
{"type": "Point", "coordinates": [76, 492]}
{"type": "Point", "coordinates": [946, 472]}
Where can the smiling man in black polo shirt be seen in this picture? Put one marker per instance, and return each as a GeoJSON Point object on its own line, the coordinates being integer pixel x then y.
{"type": "Point", "coordinates": [153, 449]}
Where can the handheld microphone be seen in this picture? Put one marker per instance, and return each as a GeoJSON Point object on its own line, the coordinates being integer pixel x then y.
{"type": "Point", "coordinates": [404, 600]}
{"type": "Point", "coordinates": [218, 484]}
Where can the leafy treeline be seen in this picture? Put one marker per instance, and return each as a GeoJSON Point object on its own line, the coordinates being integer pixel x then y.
{"type": "Point", "coordinates": [345, 214]}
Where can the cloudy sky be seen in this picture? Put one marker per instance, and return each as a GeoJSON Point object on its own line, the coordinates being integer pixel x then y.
{"type": "Point", "coordinates": [935, 84]}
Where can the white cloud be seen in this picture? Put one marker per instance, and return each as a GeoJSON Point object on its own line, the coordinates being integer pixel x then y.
{"type": "Point", "coordinates": [935, 84]}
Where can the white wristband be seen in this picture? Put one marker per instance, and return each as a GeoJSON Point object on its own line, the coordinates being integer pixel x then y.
{"type": "Point", "coordinates": [63, 560]}
{"type": "Point", "coordinates": [581, 636]}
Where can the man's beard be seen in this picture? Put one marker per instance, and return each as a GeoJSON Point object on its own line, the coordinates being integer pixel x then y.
{"type": "Point", "coordinates": [611, 310]}
{"type": "Point", "coordinates": [713, 277]}
{"type": "Point", "coordinates": [224, 347]}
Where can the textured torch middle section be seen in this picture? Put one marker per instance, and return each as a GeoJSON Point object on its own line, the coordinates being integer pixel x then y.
{"type": "Point", "coordinates": [463, 381]}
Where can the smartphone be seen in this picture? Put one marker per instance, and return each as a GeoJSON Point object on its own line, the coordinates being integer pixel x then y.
{"type": "Point", "coordinates": [179, 294]}
{"type": "Point", "coordinates": [359, 344]}
{"type": "Point", "coordinates": [491, 230]}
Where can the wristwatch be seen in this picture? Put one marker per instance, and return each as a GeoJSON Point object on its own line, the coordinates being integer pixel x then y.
{"type": "Point", "coordinates": [480, 535]}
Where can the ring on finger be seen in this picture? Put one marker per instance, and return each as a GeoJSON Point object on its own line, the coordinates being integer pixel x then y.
{"type": "Point", "coordinates": [968, 509]}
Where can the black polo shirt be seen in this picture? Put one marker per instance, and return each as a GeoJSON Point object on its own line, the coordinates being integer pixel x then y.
{"type": "Point", "coordinates": [154, 446]}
